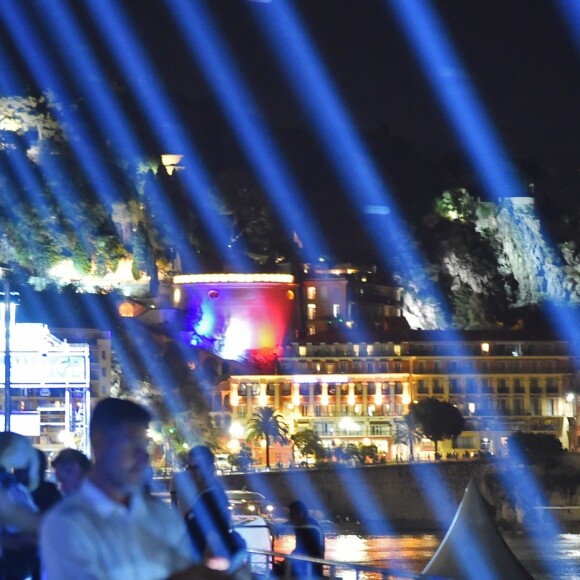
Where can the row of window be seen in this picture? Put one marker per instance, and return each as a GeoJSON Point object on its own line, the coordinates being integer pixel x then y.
{"type": "Point", "coordinates": [350, 349]}
{"type": "Point", "coordinates": [490, 366]}
{"type": "Point", "coordinates": [343, 366]}
{"type": "Point", "coordinates": [358, 429]}
{"type": "Point", "coordinates": [423, 367]}
{"type": "Point", "coordinates": [304, 389]}
{"type": "Point", "coordinates": [514, 407]}
{"type": "Point", "coordinates": [324, 293]}
{"type": "Point", "coordinates": [535, 385]}
{"type": "Point", "coordinates": [418, 349]}
{"type": "Point", "coordinates": [342, 410]}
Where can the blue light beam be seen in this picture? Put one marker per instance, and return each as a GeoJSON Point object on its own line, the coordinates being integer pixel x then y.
{"type": "Point", "coordinates": [369, 194]}
{"type": "Point", "coordinates": [44, 70]}
{"type": "Point", "coordinates": [457, 97]}
{"type": "Point", "coordinates": [91, 82]}
{"type": "Point", "coordinates": [156, 105]}
{"type": "Point", "coordinates": [208, 46]}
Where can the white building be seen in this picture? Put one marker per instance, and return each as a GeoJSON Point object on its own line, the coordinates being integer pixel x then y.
{"type": "Point", "coordinates": [49, 382]}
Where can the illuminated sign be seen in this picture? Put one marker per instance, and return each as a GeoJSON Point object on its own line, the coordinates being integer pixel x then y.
{"type": "Point", "coordinates": [36, 370]}
{"type": "Point", "coordinates": [27, 424]}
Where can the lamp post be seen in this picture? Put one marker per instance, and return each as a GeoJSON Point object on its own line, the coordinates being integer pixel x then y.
{"type": "Point", "coordinates": [7, 323]}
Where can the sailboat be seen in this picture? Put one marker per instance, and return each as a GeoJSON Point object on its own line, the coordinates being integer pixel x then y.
{"type": "Point", "coordinates": [473, 548]}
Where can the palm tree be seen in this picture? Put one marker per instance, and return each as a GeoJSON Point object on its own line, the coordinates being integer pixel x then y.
{"type": "Point", "coordinates": [267, 424]}
{"type": "Point", "coordinates": [407, 433]}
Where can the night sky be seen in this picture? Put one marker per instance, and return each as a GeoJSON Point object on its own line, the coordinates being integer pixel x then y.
{"type": "Point", "coordinates": [519, 54]}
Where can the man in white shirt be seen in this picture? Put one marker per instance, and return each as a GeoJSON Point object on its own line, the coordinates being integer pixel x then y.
{"type": "Point", "coordinates": [110, 529]}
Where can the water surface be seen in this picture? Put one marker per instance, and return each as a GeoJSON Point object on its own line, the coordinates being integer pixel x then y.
{"type": "Point", "coordinates": [412, 552]}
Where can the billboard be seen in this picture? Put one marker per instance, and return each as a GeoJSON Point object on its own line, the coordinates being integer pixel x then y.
{"type": "Point", "coordinates": [37, 370]}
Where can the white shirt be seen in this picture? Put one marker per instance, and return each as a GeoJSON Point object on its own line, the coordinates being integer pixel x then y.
{"type": "Point", "coordinates": [88, 536]}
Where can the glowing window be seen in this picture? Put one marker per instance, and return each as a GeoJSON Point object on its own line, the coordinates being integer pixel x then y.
{"type": "Point", "coordinates": [311, 329]}
{"type": "Point", "coordinates": [336, 310]}
{"type": "Point", "coordinates": [311, 311]}
{"type": "Point", "coordinates": [356, 349]}
{"type": "Point", "coordinates": [397, 349]}
{"type": "Point", "coordinates": [485, 348]}
{"type": "Point", "coordinates": [369, 350]}
{"type": "Point", "coordinates": [127, 310]}
{"type": "Point", "coordinates": [311, 293]}
{"type": "Point", "coordinates": [301, 351]}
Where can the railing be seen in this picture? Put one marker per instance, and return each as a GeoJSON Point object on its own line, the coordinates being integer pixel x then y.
{"type": "Point", "coordinates": [336, 570]}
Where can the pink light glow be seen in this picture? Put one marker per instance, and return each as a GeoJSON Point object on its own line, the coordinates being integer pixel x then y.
{"type": "Point", "coordinates": [242, 317]}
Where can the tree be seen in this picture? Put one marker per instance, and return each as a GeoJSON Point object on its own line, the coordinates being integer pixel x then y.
{"type": "Point", "coordinates": [407, 433]}
{"type": "Point", "coordinates": [368, 453]}
{"type": "Point", "coordinates": [242, 460]}
{"type": "Point", "coordinates": [437, 420]}
{"type": "Point", "coordinates": [535, 448]}
{"type": "Point", "coordinates": [456, 205]}
{"type": "Point", "coordinates": [309, 443]}
{"type": "Point", "coordinates": [267, 424]}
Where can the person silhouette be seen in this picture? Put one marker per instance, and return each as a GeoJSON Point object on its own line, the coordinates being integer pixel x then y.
{"type": "Point", "coordinates": [309, 542]}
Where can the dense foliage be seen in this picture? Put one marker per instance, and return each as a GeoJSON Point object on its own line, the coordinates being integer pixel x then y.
{"type": "Point", "coordinates": [535, 448]}
{"type": "Point", "coordinates": [486, 263]}
{"type": "Point", "coordinates": [308, 442]}
{"type": "Point", "coordinates": [437, 420]}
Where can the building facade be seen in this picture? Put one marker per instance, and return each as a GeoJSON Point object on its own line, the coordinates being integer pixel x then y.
{"type": "Point", "coordinates": [358, 392]}
{"type": "Point", "coordinates": [100, 355]}
{"type": "Point", "coordinates": [347, 295]}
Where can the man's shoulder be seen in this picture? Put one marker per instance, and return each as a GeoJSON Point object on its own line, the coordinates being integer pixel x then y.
{"type": "Point", "coordinates": [75, 502]}
{"type": "Point", "coordinates": [70, 513]}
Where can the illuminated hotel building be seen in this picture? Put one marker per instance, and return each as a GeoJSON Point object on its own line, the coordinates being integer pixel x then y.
{"type": "Point", "coordinates": [356, 392]}
{"type": "Point", "coordinates": [352, 390]}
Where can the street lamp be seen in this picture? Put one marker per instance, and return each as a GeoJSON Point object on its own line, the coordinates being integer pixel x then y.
{"type": "Point", "coordinates": [7, 319]}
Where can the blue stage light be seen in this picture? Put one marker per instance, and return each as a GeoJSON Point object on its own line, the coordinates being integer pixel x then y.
{"type": "Point", "coordinates": [44, 70]}
{"type": "Point", "coordinates": [570, 11]}
{"type": "Point", "coordinates": [456, 95]}
{"type": "Point", "coordinates": [369, 194]}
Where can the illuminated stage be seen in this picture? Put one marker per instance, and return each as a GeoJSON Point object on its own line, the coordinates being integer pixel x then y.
{"type": "Point", "coordinates": [237, 315]}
